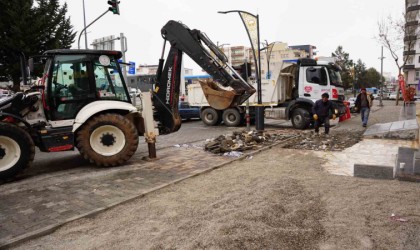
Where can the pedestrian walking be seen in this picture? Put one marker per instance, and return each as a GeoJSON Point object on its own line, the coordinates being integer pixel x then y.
{"type": "Point", "coordinates": [363, 104]}
{"type": "Point", "coordinates": [321, 113]}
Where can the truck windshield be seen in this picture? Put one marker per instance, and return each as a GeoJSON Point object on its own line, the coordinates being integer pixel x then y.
{"type": "Point", "coordinates": [335, 77]}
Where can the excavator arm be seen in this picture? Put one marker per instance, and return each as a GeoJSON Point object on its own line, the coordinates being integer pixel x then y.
{"type": "Point", "coordinates": [197, 46]}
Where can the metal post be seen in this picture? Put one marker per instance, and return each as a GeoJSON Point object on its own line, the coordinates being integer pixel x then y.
{"type": "Point", "coordinates": [247, 117]}
{"type": "Point", "coordinates": [382, 83]}
{"type": "Point", "coordinates": [259, 125]}
{"type": "Point", "coordinates": [123, 50]}
{"type": "Point", "coordinates": [84, 20]}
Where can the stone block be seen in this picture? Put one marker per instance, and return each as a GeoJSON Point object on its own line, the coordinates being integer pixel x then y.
{"type": "Point", "coordinates": [374, 171]}
{"type": "Point", "coordinates": [416, 163]}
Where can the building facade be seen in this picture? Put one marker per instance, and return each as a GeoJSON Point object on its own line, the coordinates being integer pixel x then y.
{"type": "Point", "coordinates": [412, 43]}
{"type": "Point", "coordinates": [279, 51]}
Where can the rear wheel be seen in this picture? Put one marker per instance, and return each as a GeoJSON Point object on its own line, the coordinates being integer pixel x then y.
{"type": "Point", "coordinates": [107, 140]}
{"type": "Point", "coordinates": [17, 150]}
{"type": "Point", "coordinates": [210, 116]}
{"type": "Point", "coordinates": [300, 118]}
{"type": "Point", "coordinates": [231, 117]}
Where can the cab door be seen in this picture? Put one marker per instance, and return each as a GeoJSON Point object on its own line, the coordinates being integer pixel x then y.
{"type": "Point", "coordinates": [70, 86]}
{"type": "Point", "coordinates": [315, 82]}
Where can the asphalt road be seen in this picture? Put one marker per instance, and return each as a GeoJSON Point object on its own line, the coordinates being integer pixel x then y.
{"type": "Point", "coordinates": [73, 163]}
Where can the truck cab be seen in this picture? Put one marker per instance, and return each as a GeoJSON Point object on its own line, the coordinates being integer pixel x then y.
{"type": "Point", "coordinates": [318, 77]}
{"type": "Point", "coordinates": [301, 82]}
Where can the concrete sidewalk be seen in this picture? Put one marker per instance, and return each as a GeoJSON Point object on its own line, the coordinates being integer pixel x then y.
{"type": "Point", "coordinates": [377, 155]}
{"type": "Point", "coordinates": [38, 205]}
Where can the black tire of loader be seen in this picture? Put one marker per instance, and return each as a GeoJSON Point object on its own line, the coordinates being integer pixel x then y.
{"type": "Point", "coordinates": [122, 123]}
{"type": "Point", "coordinates": [27, 149]}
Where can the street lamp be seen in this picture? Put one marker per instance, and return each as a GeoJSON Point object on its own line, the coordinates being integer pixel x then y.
{"type": "Point", "coordinates": [221, 45]}
{"type": "Point", "coordinates": [252, 23]}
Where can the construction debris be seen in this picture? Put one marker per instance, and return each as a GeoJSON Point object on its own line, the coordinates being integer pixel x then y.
{"type": "Point", "coordinates": [335, 141]}
{"type": "Point", "coordinates": [240, 141]}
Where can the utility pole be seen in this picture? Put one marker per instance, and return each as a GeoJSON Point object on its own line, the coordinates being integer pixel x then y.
{"type": "Point", "coordinates": [382, 82]}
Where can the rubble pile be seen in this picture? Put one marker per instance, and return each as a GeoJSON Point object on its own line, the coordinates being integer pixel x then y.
{"type": "Point", "coordinates": [336, 141]}
{"type": "Point", "coordinates": [240, 141]}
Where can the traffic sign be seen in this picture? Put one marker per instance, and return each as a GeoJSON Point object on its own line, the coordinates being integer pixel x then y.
{"type": "Point", "coordinates": [132, 68]}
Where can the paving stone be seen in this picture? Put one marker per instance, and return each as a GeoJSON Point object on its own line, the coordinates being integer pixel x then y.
{"type": "Point", "coordinates": [373, 171]}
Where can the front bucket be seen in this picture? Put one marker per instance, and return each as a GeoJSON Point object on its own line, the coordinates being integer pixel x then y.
{"type": "Point", "coordinates": [217, 97]}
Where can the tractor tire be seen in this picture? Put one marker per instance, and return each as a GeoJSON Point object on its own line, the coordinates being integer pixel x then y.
{"type": "Point", "coordinates": [211, 117]}
{"type": "Point", "coordinates": [17, 150]}
{"type": "Point", "coordinates": [107, 140]}
{"type": "Point", "coordinates": [300, 118]}
{"type": "Point", "coordinates": [232, 117]}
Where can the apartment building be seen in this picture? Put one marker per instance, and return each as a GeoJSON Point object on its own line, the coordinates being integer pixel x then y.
{"type": "Point", "coordinates": [280, 51]}
{"type": "Point", "coordinates": [412, 43]}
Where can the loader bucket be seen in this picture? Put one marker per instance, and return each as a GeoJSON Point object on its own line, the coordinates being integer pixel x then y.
{"type": "Point", "coordinates": [217, 97]}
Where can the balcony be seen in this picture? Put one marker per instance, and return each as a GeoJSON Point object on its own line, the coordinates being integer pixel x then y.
{"type": "Point", "coordinates": [237, 48]}
{"type": "Point", "coordinates": [412, 23]}
{"type": "Point", "coordinates": [409, 53]}
{"type": "Point", "coordinates": [408, 67]}
{"type": "Point", "coordinates": [413, 8]}
{"type": "Point", "coordinates": [237, 53]}
{"type": "Point", "coordinates": [410, 38]}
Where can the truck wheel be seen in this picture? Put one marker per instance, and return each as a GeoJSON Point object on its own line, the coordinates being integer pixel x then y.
{"type": "Point", "coordinates": [300, 118]}
{"type": "Point", "coordinates": [107, 140]}
{"type": "Point", "coordinates": [17, 150]}
{"type": "Point", "coordinates": [210, 116]}
{"type": "Point", "coordinates": [232, 117]}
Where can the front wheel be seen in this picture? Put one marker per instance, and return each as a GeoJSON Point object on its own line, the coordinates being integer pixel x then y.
{"type": "Point", "coordinates": [17, 150]}
{"type": "Point", "coordinates": [107, 140]}
{"type": "Point", "coordinates": [300, 118]}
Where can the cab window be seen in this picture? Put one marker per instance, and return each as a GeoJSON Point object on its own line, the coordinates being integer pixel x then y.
{"type": "Point", "coordinates": [316, 75]}
{"type": "Point", "coordinates": [69, 88]}
{"type": "Point", "coordinates": [109, 84]}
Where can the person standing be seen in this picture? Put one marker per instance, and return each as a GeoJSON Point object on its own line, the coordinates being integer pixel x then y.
{"type": "Point", "coordinates": [363, 104]}
{"type": "Point", "coordinates": [321, 113]}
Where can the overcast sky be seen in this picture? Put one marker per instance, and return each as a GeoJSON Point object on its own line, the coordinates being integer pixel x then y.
{"type": "Point", "coordinates": [323, 23]}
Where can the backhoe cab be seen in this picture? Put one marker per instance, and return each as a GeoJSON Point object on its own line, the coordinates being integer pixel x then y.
{"type": "Point", "coordinates": [81, 101]}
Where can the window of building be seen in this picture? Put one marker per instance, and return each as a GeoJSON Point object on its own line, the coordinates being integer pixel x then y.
{"type": "Point", "coordinates": [417, 75]}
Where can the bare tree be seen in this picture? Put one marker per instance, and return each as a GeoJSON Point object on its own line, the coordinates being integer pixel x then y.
{"type": "Point", "coordinates": [396, 35]}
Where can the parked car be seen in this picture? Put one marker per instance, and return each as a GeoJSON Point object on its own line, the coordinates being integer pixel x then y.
{"type": "Point", "coordinates": [393, 96]}
{"type": "Point", "coordinates": [352, 101]}
{"type": "Point", "coordinates": [188, 112]}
